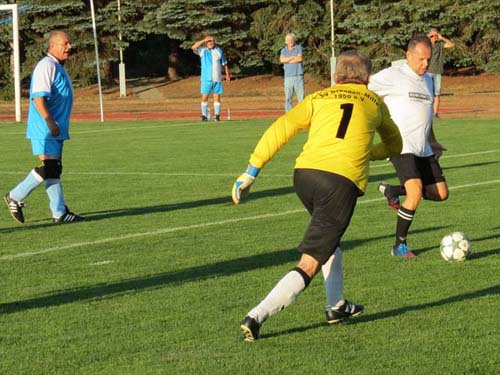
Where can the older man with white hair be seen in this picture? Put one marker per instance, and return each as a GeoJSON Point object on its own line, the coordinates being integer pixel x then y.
{"type": "Point", "coordinates": [291, 58]}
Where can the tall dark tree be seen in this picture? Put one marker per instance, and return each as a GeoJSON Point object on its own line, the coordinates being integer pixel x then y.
{"type": "Point", "coordinates": [157, 34]}
{"type": "Point", "coordinates": [185, 21]}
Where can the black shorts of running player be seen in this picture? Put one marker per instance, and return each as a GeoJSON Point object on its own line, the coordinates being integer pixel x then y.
{"type": "Point", "coordinates": [409, 166]}
{"type": "Point", "coordinates": [330, 199]}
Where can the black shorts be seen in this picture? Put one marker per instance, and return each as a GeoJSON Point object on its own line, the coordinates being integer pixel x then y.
{"type": "Point", "coordinates": [409, 166]}
{"type": "Point", "coordinates": [330, 199]}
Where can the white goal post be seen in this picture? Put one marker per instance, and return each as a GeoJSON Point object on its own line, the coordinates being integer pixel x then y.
{"type": "Point", "coordinates": [17, 71]}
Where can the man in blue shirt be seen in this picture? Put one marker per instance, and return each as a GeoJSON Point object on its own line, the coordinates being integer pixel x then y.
{"type": "Point", "coordinates": [212, 61]}
{"type": "Point", "coordinates": [291, 58]}
{"type": "Point", "coordinates": [51, 101]}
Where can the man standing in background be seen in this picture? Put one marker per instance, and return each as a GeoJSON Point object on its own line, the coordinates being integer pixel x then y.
{"type": "Point", "coordinates": [439, 43]}
{"type": "Point", "coordinates": [51, 102]}
{"type": "Point", "coordinates": [291, 58]}
{"type": "Point", "coordinates": [212, 61]}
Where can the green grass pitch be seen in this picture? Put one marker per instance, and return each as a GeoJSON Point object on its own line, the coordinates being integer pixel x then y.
{"type": "Point", "coordinates": [158, 278]}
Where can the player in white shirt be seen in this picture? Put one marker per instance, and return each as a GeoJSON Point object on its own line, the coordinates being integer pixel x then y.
{"type": "Point", "coordinates": [408, 92]}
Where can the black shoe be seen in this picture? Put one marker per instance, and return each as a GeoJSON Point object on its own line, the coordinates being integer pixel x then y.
{"type": "Point", "coordinates": [15, 208]}
{"type": "Point", "coordinates": [68, 217]}
{"type": "Point", "coordinates": [204, 118]}
{"type": "Point", "coordinates": [250, 329]}
{"type": "Point", "coordinates": [343, 312]}
{"type": "Point", "coordinates": [217, 118]}
{"type": "Point", "coordinates": [392, 199]}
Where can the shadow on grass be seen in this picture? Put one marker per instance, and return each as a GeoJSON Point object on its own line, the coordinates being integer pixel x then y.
{"type": "Point", "coordinates": [486, 253]}
{"type": "Point", "coordinates": [366, 318]}
{"type": "Point", "coordinates": [473, 255]}
{"type": "Point", "coordinates": [423, 306]}
{"type": "Point", "coordinates": [218, 269]}
{"type": "Point", "coordinates": [471, 165]}
{"type": "Point", "coordinates": [226, 200]}
{"type": "Point", "coordinates": [121, 212]}
{"type": "Point", "coordinates": [384, 176]}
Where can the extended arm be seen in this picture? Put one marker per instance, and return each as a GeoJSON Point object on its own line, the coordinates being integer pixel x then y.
{"type": "Point", "coordinates": [277, 135]}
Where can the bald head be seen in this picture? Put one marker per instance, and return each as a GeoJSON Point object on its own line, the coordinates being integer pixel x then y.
{"type": "Point", "coordinates": [419, 53]}
{"type": "Point", "coordinates": [59, 45]}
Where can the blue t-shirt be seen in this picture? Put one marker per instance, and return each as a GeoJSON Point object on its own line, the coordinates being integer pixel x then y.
{"type": "Point", "coordinates": [50, 80]}
{"type": "Point", "coordinates": [212, 61]}
{"type": "Point", "coordinates": [292, 69]}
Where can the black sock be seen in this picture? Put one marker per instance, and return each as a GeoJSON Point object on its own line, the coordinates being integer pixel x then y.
{"type": "Point", "coordinates": [405, 218]}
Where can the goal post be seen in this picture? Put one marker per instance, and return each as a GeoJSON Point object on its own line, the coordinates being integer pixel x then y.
{"type": "Point", "coordinates": [17, 68]}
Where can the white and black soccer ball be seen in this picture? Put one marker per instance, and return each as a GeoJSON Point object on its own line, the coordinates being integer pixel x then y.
{"type": "Point", "coordinates": [455, 246]}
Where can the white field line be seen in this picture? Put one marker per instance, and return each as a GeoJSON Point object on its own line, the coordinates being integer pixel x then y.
{"type": "Point", "coordinates": [146, 234]}
{"type": "Point", "coordinates": [138, 128]}
{"type": "Point", "coordinates": [389, 164]}
{"type": "Point", "coordinates": [107, 130]}
{"type": "Point", "coordinates": [115, 173]}
{"type": "Point", "coordinates": [195, 226]}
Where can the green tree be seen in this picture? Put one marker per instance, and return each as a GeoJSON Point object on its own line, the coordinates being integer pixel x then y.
{"type": "Point", "coordinates": [477, 33]}
{"type": "Point", "coordinates": [309, 20]}
{"type": "Point", "coordinates": [158, 33]}
{"type": "Point", "coordinates": [185, 21]}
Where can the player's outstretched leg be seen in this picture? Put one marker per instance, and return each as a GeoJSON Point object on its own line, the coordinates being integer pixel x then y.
{"type": "Point", "coordinates": [392, 199]}
{"type": "Point", "coordinates": [281, 296]}
{"type": "Point", "coordinates": [250, 329]}
{"type": "Point", "coordinates": [342, 311]}
{"type": "Point", "coordinates": [14, 199]}
{"type": "Point", "coordinates": [15, 208]}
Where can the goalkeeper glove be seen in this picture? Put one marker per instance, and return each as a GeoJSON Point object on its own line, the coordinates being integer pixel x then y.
{"type": "Point", "coordinates": [241, 187]}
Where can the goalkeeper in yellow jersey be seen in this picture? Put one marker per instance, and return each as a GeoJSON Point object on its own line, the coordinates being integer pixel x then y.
{"type": "Point", "coordinates": [330, 173]}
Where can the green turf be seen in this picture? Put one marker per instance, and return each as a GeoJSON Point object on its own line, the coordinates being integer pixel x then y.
{"type": "Point", "coordinates": [158, 278]}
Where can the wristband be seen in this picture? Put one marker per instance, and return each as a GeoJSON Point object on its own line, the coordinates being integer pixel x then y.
{"type": "Point", "coordinates": [252, 170]}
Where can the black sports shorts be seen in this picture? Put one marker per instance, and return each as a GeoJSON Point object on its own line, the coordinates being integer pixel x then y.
{"type": "Point", "coordinates": [330, 199]}
{"type": "Point", "coordinates": [409, 166]}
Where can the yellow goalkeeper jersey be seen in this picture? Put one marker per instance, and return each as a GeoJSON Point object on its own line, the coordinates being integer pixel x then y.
{"type": "Point", "coordinates": [342, 121]}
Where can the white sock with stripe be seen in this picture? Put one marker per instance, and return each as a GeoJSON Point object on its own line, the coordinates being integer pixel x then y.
{"type": "Point", "coordinates": [334, 279]}
{"type": "Point", "coordinates": [281, 296]}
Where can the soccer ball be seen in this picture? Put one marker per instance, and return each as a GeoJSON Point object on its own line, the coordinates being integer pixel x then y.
{"type": "Point", "coordinates": [455, 246]}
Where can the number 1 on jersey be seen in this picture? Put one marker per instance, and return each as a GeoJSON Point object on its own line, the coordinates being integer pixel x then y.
{"type": "Point", "coordinates": [344, 121]}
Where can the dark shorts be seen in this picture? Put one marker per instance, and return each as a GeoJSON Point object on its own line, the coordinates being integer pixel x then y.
{"type": "Point", "coordinates": [409, 166]}
{"type": "Point", "coordinates": [330, 199]}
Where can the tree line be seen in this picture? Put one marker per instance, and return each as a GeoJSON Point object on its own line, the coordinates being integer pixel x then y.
{"type": "Point", "coordinates": [157, 34]}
